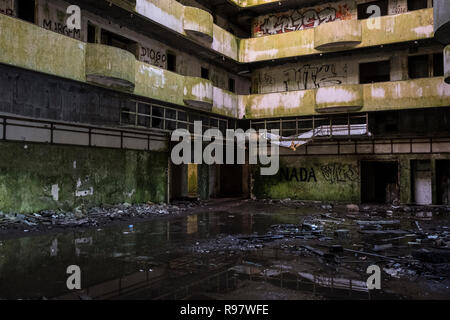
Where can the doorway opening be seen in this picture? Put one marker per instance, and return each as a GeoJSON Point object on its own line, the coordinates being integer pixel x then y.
{"type": "Point", "coordinates": [443, 181]}
{"type": "Point", "coordinates": [379, 182]}
{"type": "Point", "coordinates": [421, 182]}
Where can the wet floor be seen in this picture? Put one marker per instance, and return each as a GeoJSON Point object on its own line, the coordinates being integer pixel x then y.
{"type": "Point", "coordinates": [35, 267]}
{"type": "Point", "coordinates": [145, 260]}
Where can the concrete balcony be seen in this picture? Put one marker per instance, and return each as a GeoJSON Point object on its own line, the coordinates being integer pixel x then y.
{"type": "Point", "coordinates": [28, 46]}
{"type": "Point", "coordinates": [337, 35]}
{"type": "Point", "coordinates": [394, 95]}
{"type": "Point", "coordinates": [198, 24]}
{"type": "Point", "coordinates": [279, 104]}
{"type": "Point", "coordinates": [344, 98]}
{"type": "Point", "coordinates": [126, 4]}
{"type": "Point", "coordinates": [198, 93]}
{"type": "Point", "coordinates": [25, 45]}
{"type": "Point", "coordinates": [447, 64]}
{"type": "Point", "coordinates": [442, 21]}
{"type": "Point", "coordinates": [110, 67]}
{"type": "Point", "coordinates": [410, 26]}
{"type": "Point", "coordinates": [194, 23]}
{"type": "Point", "coordinates": [408, 94]}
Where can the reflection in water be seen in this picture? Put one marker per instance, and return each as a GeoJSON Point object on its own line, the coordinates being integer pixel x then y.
{"type": "Point", "coordinates": [192, 224]}
{"type": "Point", "coordinates": [29, 270]}
{"type": "Point", "coordinates": [54, 248]}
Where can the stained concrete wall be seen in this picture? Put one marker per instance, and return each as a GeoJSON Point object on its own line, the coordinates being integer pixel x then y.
{"type": "Point", "coordinates": [311, 17]}
{"type": "Point", "coordinates": [35, 95]}
{"type": "Point", "coordinates": [36, 177]}
{"type": "Point", "coordinates": [51, 14]}
{"type": "Point", "coordinates": [8, 7]}
{"type": "Point", "coordinates": [319, 72]}
{"type": "Point", "coordinates": [321, 178]}
{"type": "Point", "coordinates": [331, 178]}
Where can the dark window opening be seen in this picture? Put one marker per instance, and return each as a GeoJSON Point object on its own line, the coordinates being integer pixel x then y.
{"type": "Point", "coordinates": [362, 9]}
{"type": "Point", "coordinates": [231, 178]}
{"type": "Point", "coordinates": [115, 40]}
{"type": "Point", "coordinates": [231, 85]}
{"type": "Point", "coordinates": [438, 64]}
{"type": "Point", "coordinates": [26, 10]}
{"type": "Point", "coordinates": [375, 72]}
{"type": "Point", "coordinates": [157, 115]}
{"type": "Point", "coordinates": [126, 119]}
{"type": "Point", "coordinates": [443, 181]}
{"type": "Point", "coordinates": [205, 73]}
{"type": "Point", "coordinates": [379, 182]}
{"type": "Point", "coordinates": [421, 182]}
{"type": "Point", "coordinates": [417, 4]}
{"type": "Point", "coordinates": [171, 62]}
{"type": "Point", "coordinates": [418, 66]}
{"type": "Point", "coordinates": [91, 33]}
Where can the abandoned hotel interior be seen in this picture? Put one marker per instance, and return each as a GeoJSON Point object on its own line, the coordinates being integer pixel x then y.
{"type": "Point", "coordinates": [350, 98]}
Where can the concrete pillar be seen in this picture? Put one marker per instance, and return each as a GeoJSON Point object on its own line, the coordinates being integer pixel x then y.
{"type": "Point", "coordinates": [434, 181]}
{"type": "Point", "coordinates": [442, 21]}
{"type": "Point", "coordinates": [405, 181]}
{"type": "Point", "coordinates": [447, 64]}
{"type": "Point", "coordinates": [203, 181]}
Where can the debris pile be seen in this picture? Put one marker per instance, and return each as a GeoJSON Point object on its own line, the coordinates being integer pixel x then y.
{"type": "Point", "coordinates": [89, 217]}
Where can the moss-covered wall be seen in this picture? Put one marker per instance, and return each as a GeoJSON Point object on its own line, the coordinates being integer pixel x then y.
{"type": "Point", "coordinates": [332, 178]}
{"type": "Point", "coordinates": [308, 178]}
{"type": "Point", "coordinates": [35, 177]}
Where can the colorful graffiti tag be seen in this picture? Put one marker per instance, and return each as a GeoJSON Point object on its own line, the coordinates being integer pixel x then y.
{"type": "Point", "coordinates": [295, 20]}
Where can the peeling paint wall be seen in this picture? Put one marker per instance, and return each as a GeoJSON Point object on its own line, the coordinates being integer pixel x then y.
{"type": "Point", "coordinates": [330, 178]}
{"type": "Point", "coordinates": [318, 73]}
{"type": "Point", "coordinates": [52, 16]}
{"type": "Point", "coordinates": [8, 7]}
{"type": "Point", "coordinates": [36, 177]}
{"type": "Point", "coordinates": [311, 17]}
{"type": "Point", "coordinates": [310, 178]}
{"type": "Point", "coordinates": [303, 18]}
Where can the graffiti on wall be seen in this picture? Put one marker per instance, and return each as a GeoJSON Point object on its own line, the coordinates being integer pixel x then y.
{"type": "Point", "coordinates": [398, 6]}
{"type": "Point", "coordinates": [300, 175]}
{"type": "Point", "coordinates": [262, 83]}
{"type": "Point", "coordinates": [308, 76]}
{"type": "Point", "coordinates": [6, 7]}
{"type": "Point", "coordinates": [300, 19]}
{"type": "Point", "coordinates": [55, 19]}
{"type": "Point", "coordinates": [333, 172]}
{"type": "Point", "coordinates": [61, 28]}
{"type": "Point", "coordinates": [7, 11]}
{"type": "Point", "coordinates": [313, 77]}
{"type": "Point", "coordinates": [337, 172]}
{"type": "Point", "coordinates": [153, 57]}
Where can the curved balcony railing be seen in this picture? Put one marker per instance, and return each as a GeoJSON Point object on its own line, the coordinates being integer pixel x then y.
{"type": "Point", "coordinates": [343, 98]}
{"type": "Point", "coordinates": [28, 46]}
{"type": "Point", "coordinates": [338, 35]}
{"type": "Point", "coordinates": [442, 21]}
{"type": "Point", "coordinates": [447, 64]}
{"type": "Point", "coordinates": [198, 93]}
{"type": "Point", "coordinates": [110, 67]}
{"type": "Point", "coordinates": [198, 23]}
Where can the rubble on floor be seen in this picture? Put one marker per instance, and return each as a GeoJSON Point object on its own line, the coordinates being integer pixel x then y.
{"type": "Point", "coordinates": [406, 242]}
{"type": "Point", "coordinates": [95, 216]}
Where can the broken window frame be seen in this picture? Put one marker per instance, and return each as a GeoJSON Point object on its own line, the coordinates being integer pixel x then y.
{"type": "Point", "coordinates": [312, 123]}
{"type": "Point", "coordinates": [183, 119]}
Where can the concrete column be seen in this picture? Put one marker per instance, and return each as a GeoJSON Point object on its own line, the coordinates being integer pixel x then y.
{"type": "Point", "coordinates": [447, 64]}
{"type": "Point", "coordinates": [203, 181]}
{"type": "Point", "coordinates": [442, 21]}
{"type": "Point", "coordinates": [433, 181]}
{"type": "Point", "coordinates": [405, 181]}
